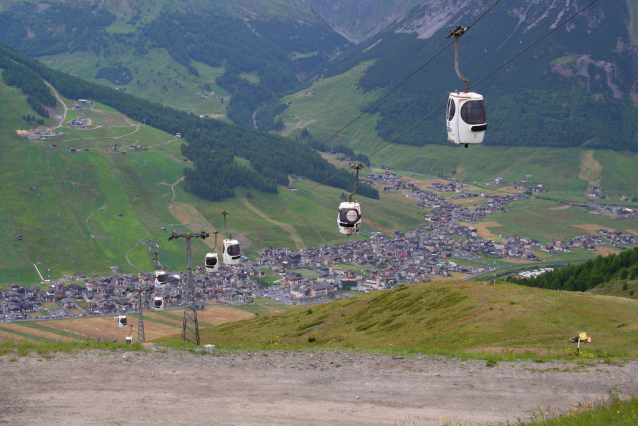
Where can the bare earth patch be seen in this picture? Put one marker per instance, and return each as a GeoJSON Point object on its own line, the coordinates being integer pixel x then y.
{"type": "Point", "coordinates": [290, 388]}
{"type": "Point", "coordinates": [605, 250]}
{"type": "Point", "coordinates": [31, 331]}
{"type": "Point", "coordinates": [590, 169]}
{"type": "Point", "coordinates": [222, 315]}
{"type": "Point", "coordinates": [560, 208]}
{"type": "Point", "coordinates": [512, 260]}
{"type": "Point", "coordinates": [592, 228]}
{"type": "Point", "coordinates": [631, 231]}
{"type": "Point", "coordinates": [379, 227]}
{"type": "Point", "coordinates": [482, 229]}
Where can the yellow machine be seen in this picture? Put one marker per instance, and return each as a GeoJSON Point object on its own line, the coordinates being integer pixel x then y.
{"type": "Point", "coordinates": [584, 338]}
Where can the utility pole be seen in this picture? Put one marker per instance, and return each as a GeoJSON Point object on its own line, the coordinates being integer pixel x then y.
{"type": "Point", "coordinates": [190, 327]}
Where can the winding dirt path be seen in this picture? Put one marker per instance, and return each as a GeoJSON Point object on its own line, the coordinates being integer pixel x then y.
{"type": "Point", "coordinates": [59, 98]}
{"type": "Point", "coordinates": [91, 215]}
{"type": "Point", "coordinates": [141, 240]}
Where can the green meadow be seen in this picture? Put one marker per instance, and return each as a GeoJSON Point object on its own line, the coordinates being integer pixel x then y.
{"type": "Point", "coordinates": [461, 317]}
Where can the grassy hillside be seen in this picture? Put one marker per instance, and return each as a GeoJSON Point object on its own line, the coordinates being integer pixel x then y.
{"type": "Point", "coordinates": [472, 316]}
{"type": "Point", "coordinates": [566, 172]}
{"type": "Point", "coordinates": [155, 77]}
{"type": "Point", "coordinates": [71, 220]}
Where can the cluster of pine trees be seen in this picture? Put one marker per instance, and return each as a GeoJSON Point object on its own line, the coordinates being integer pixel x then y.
{"type": "Point", "coordinates": [208, 139]}
{"type": "Point", "coordinates": [30, 83]}
{"type": "Point", "coordinates": [622, 266]}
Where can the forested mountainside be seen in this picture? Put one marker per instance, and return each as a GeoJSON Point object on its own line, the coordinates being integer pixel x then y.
{"type": "Point", "coordinates": [621, 266]}
{"type": "Point", "coordinates": [577, 87]}
{"type": "Point", "coordinates": [358, 20]}
{"type": "Point", "coordinates": [234, 60]}
{"type": "Point", "coordinates": [255, 58]}
{"type": "Point", "coordinates": [211, 144]}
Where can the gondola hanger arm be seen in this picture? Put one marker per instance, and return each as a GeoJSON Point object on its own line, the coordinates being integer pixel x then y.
{"type": "Point", "coordinates": [457, 33]}
{"type": "Point", "coordinates": [356, 167]}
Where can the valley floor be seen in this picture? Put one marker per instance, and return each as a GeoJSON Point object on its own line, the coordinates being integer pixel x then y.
{"type": "Point", "coordinates": [292, 388]}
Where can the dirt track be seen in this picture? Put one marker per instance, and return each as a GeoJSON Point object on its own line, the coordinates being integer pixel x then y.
{"type": "Point", "coordinates": [288, 388]}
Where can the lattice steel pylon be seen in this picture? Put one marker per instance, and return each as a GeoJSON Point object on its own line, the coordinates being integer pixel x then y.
{"type": "Point", "coordinates": [190, 326]}
{"type": "Point", "coordinates": [141, 337]}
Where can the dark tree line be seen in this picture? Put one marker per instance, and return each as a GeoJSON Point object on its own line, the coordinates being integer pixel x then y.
{"type": "Point", "coordinates": [30, 83]}
{"type": "Point", "coordinates": [50, 28]}
{"type": "Point", "coordinates": [208, 139]}
{"type": "Point", "coordinates": [116, 74]}
{"type": "Point", "coordinates": [587, 275]}
{"type": "Point", "coordinates": [306, 136]}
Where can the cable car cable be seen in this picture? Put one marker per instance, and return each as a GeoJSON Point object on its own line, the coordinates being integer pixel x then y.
{"type": "Point", "coordinates": [363, 112]}
{"type": "Point", "coordinates": [342, 171]}
{"type": "Point", "coordinates": [425, 118]}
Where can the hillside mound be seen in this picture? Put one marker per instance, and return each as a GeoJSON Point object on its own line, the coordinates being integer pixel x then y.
{"type": "Point", "coordinates": [455, 315]}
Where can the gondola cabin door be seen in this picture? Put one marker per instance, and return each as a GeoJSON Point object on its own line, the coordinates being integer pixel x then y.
{"type": "Point", "coordinates": [466, 118]}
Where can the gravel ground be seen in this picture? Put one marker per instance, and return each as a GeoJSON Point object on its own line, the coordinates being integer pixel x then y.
{"type": "Point", "coordinates": [162, 386]}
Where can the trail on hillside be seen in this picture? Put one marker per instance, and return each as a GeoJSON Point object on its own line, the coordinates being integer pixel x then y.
{"type": "Point", "coordinates": [141, 240]}
{"type": "Point", "coordinates": [172, 187]}
{"type": "Point", "coordinates": [59, 98]}
{"type": "Point", "coordinates": [290, 230]}
{"type": "Point", "coordinates": [91, 215]}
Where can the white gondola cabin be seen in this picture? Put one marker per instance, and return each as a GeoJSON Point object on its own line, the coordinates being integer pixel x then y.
{"type": "Point", "coordinates": [122, 321]}
{"type": "Point", "coordinates": [160, 279]}
{"type": "Point", "coordinates": [231, 253]}
{"type": "Point", "coordinates": [349, 218]}
{"type": "Point", "coordinates": [158, 303]}
{"type": "Point", "coordinates": [211, 262]}
{"type": "Point", "coordinates": [466, 119]}
{"type": "Point", "coordinates": [128, 340]}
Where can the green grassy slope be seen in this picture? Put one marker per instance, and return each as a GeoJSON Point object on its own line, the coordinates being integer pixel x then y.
{"type": "Point", "coordinates": [71, 220]}
{"type": "Point", "coordinates": [565, 172]}
{"type": "Point", "coordinates": [548, 220]}
{"type": "Point", "coordinates": [156, 77]}
{"type": "Point", "coordinates": [459, 316]}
